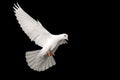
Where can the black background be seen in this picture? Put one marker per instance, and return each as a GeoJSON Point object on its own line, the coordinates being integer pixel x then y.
{"type": "Point", "coordinates": [82, 57]}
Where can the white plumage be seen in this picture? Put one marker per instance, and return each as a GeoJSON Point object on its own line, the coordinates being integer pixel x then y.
{"type": "Point", "coordinates": [39, 60]}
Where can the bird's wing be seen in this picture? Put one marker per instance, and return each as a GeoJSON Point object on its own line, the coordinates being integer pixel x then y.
{"type": "Point", "coordinates": [59, 43]}
{"type": "Point", "coordinates": [31, 27]}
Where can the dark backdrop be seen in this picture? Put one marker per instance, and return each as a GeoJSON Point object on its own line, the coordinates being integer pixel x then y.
{"type": "Point", "coordinates": [82, 21]}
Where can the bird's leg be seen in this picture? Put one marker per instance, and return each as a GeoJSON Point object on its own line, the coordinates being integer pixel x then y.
{"type": "Point", "coordinates": [49, 53]}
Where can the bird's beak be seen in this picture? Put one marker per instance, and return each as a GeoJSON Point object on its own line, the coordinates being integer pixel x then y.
{"type": "Point", "coordinates": [66, 40]}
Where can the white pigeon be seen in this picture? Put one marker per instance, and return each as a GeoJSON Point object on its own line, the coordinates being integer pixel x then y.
{"type": "Point", "coordinates": [39, 60]}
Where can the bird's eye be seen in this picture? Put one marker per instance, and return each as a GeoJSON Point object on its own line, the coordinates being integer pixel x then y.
{"type": "Point", "coordinates": [65, 36]}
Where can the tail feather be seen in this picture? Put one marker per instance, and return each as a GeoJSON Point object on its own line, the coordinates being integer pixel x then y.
{"type": "Point", "coordinates": [43, 67]}
{"type": "Point", "coordinates": [40, 64]}
{"type": "Point", "coordinates": [50, 64]}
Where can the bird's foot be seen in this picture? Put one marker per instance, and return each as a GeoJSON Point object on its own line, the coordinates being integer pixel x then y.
{"type": "Point", "coordinates": [49, 53]}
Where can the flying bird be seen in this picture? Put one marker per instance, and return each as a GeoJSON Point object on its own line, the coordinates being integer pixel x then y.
{"type": "Point", "coordinates": [39, 60]}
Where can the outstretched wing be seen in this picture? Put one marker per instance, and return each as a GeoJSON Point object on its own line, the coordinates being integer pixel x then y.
{"type": "Point", "coordinates": [31, 27]}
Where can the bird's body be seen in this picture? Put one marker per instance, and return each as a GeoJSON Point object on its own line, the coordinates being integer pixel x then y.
{"type": "Point", "coordinates": [39, 60]}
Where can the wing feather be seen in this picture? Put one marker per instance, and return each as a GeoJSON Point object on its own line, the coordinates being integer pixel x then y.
{"type": "Point", "coordinates": [59, 43]}
{"type": "Point", "coordinates": [31, 27]}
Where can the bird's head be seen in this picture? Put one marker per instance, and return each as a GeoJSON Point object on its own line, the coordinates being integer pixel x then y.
{"type": "Point", "coordinates": [64, 37]}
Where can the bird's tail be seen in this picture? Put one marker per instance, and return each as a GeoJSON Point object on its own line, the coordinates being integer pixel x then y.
{"type": "Point", "coordinates": [40, 63]}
